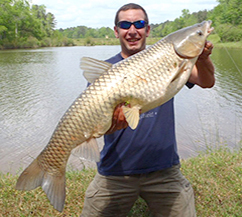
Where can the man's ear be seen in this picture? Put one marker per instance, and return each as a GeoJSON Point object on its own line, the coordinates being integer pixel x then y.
{"type": "Point", "coordinates": [147, 30]}
{"type": "Point", "coordinates": [116, 31]}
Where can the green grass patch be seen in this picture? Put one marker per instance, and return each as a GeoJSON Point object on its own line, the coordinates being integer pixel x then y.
{"type": "Point", "coordinates": [236, 45]}
{"type": "Point", "coordinates": [216, 178]}
{"type": "Point", "coordinates": [215, 39]}
{"type": "Point", "coordinates": [95, 41]}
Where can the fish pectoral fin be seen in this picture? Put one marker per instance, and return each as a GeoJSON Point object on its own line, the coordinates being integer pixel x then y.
{"type": "Point", "coordinates": [93, 68]}
{"type": "Point", "coordinates": [88, 150]}
{"type": "Point", "coordinates": [53, 185]}
{"type": "Point", "coordinates": [132, 115]}
{"type": "Point", "coordinates": [180, 69]}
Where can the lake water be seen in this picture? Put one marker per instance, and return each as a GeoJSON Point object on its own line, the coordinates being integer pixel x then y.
{"type": "Point", "coordinates": [38, 85]}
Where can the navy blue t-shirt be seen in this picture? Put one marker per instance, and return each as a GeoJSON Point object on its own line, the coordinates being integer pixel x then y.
{"type": "Point", "coordinates": [150, 147]}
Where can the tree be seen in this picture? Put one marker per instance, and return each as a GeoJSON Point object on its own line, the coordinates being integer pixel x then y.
{"type": "Point", "coordinates": [19, 22]}
{"type": "Point", "coordinates": [6, 18]}
{"type": "Point", "coordinates": [50, 23]}
{"type": "Point", "coordinates": [200, 15]}
{"type": "Point", "coordinates": [227, 19]}
{"type": "Point", "coordinates": [228, 11]}
{"type": "Point", "coordinates": [44, 22]}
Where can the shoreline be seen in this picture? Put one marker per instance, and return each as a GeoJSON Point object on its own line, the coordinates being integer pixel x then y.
{"type": "Point", "coordinates": [114, 41]}
{"type": "Point", "coordinates": [78, 164]}
{"type": "Point", "coordinates": [75, 163]}
{"type": "Point", "coordinates": [23, 160]}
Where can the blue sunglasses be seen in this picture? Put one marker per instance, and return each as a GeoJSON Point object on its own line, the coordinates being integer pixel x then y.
{"type": "Point", "coordinates": [126, 24]}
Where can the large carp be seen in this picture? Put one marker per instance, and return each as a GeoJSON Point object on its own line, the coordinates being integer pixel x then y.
{"type": "Point", "coordinates": [145, 80]}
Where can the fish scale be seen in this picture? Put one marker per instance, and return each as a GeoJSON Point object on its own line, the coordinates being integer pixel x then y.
{"type": "Point", "coordinates": [143, 81]}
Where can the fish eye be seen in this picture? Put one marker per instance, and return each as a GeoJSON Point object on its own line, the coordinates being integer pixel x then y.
{"type": "Point", "coordinates": [199, 32]}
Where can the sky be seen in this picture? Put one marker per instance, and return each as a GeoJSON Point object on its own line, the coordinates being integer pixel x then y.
{"type": "Point", "coordinates": [101, 13]}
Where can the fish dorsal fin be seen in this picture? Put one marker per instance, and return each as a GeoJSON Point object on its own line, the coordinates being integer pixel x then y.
{"type": "Point", "coordinates": [88, 150]}
{"type": "Point", "coordinates": [132, 116]}
{"type": "Point", "coordinates": [93, 68]}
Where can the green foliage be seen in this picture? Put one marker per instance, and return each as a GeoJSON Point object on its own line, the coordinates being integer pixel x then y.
{"type": "Point", "coordinates": [23, 25]}
{"type": "Point", "coordinates": [227, 20]}
{"type": "Point", "coordinates": [186, 19]}
{"type": "Point", "coordinates": [229, 11]}
{"type": "Point", "coordinates": [85, 32]}
{"type": "Point", "coordinates": [229, 33]}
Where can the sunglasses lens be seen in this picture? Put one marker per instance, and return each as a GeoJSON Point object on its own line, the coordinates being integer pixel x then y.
{"type": "Point", "coordinates": [139, 24]}
{"type": "Point", "coordinates": [126, 24]}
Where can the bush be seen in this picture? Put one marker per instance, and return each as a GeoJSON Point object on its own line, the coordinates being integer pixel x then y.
{"type": "Point", "coordinates": [46, 42]}
{"type": "Point", "coordinates": [31, 42]}
{"type": "Point", "coordinates": [6, 44]}
{"type": "Point", "coordinates": [229, 33]}
{"type": "Point", "coordinates": [67, 42]}
{"type": "Point", "coordinates": [89, 42]}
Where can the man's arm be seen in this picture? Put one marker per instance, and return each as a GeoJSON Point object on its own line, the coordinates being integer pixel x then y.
{"type": "Point", "coordinates": [203, 71]}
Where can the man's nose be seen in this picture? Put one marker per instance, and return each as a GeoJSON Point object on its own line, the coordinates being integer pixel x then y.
{"type": "Point", "coordinates": [132, 29]}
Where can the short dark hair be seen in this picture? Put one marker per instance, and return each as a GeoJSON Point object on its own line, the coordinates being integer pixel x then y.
{"type": "Point", "coordinates": [127, 7]}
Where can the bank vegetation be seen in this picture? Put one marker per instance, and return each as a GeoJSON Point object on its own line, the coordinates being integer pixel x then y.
{"type": "Point", "coordinates": [25, 25]}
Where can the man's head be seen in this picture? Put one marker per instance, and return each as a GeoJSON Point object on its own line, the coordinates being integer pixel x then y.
{"type": "Point", "coordinates": [132, 34]}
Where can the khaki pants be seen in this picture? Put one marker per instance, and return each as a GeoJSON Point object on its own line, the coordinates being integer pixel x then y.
{"type": "Point", "coordinates": [167, 193]}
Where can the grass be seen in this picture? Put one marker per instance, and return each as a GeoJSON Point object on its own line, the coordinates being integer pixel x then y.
{"type": "Point", "coordinates": [216, 178]}
{"type": "Point", "coordinates": [214, 38]}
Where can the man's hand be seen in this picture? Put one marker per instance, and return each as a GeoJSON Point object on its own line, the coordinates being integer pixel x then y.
{"type": "Point", "coordinates": [203, 71]}
{"type": "Point", "coordinates": [206, 51]}
{"type": "Point", "coordinates": [118, 122]}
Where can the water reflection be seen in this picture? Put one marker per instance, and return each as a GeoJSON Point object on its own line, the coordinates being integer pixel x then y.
{"type": "Point", "coordinates": [214, 116]}
{"type": "Point", "coordinates": [229, 73]}
{"type": "Point", "coordinates": [37, 86]}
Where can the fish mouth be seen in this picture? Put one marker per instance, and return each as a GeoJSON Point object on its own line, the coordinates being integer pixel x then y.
{"type": "Point", "coordinates": [210, 29]}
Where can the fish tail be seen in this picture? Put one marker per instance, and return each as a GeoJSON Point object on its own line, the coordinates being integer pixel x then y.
{"type": "Point", "coordinates": [53, 185]}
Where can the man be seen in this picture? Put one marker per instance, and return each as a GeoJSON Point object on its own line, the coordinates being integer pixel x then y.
{"type": "Point", "coordinates": [143, 162]}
